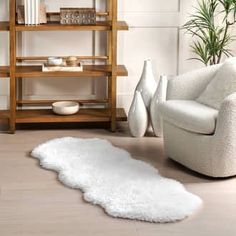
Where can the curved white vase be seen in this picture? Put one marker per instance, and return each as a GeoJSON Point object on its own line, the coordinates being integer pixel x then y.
{"type": "Point", "coordinates": [159, 96]}
{"type": "Point", "coordinates": [147, 84]}
{"type": "Point", "coordinates": [138, 116]}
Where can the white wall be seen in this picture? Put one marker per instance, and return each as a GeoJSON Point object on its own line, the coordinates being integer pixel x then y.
{"type": "Point", "coordinates": [154, 33]}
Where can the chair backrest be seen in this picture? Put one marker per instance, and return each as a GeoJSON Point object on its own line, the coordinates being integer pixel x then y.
{"type": "Point", "coordinates": [190, 85]}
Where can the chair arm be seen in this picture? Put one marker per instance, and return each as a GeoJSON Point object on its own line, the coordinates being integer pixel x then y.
{"type": "Point", "coordinates": [223, 143]}
{"type": "Point", "coordinates": [189, 86]}
{"type": "Point", "coordinates": [226, 122]}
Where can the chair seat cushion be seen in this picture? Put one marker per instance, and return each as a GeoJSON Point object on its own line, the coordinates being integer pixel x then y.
{"type": "Point", "coordinates": [190, 115]}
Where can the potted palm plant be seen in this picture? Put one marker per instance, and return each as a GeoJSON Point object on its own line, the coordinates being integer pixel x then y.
{"type": "Point", "coordinates": [210, 26]}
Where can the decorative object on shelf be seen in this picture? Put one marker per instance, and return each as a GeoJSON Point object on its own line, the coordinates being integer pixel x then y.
{"type": "Point", "coordinates": [31, 12]}
{"type": "Point", "coordinates": [159, 96]}
{"type": "Point", "coordinates": [138, 116]}
{"type": "Point", "coordinates": [72, 61]}
{"type": "Point", "coordinates": [55, 61]}
{"type": "Point", "coordinates": [78, 16]}
{"type": "Point", "coordinates": [62, 67]}
{"type": "Point", "coordinates": [43, 13]}
{"type": "Point", "coordinates": [65, 108]}
{"type": "Point", "coordinates": [20, 15]}
{"type": "Point", "coordinates": [34, 12]}
{"type": "Point", "coordinates": [147, 84]}
{"type": "Point", "coordinates": [130, 188]}
{"type": "Point", "coordinates": [26, 10]}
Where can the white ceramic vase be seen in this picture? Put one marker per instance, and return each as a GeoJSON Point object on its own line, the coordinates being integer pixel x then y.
{"type": "Point", "coordinates": [159, 96]}
{"type": "Point", "coordinates": [147, 84]}
{"type": "Point", "coordinates": [138, 116]}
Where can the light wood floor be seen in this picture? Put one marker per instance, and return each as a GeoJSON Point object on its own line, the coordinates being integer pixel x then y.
{"type": "Point", "coordinates": [33, 202]}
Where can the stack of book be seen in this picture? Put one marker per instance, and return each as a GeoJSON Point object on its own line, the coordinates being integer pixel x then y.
{"type": "Point", "coordinates": [32, 12]}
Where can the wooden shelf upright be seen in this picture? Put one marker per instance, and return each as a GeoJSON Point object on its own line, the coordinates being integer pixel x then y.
{"type": "Point", "coordinates": [109, 69]}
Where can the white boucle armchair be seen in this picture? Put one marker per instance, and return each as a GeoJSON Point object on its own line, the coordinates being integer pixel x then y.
{"type": "Point", "coordinates": [212, 153]}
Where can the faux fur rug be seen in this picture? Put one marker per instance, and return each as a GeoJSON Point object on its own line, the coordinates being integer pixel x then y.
{"type": "Point", "coordinates": [111, 178]}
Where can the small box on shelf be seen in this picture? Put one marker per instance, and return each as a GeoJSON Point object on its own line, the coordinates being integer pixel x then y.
{"type": "Point", "coordinates": [77, 16]}
{"type": "Point", "coordinates": [68, 64]}
{"type": "Point", "coordinates": [49, 68]}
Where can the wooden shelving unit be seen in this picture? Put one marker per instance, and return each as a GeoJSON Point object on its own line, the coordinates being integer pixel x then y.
{"type": "Point", "coordinates": [110, 113]}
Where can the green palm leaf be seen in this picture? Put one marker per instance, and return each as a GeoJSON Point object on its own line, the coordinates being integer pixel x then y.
{"type": "Point", "coordinates": [211, 41]}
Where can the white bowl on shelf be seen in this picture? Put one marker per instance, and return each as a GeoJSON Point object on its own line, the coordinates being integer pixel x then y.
{"type": "Point", "coordinates": [65, 108]}
{"type": "Point", "coordinates": [55, 61]}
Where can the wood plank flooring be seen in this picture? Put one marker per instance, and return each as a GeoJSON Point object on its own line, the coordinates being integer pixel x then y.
{"type": "Point", "coordinates": [33, 202]}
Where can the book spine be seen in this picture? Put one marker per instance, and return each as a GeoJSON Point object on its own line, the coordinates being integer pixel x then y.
{"type": "Point", "coordinates": [26, 11]}
{"type": "Point", "coordinates": [36, 15]}
{"type": "Point", "coordinates": [29, 12]}
{"type": "Point", "coordinates": [33, 12]}
{"type": "Point", "coordinates": [37, 2]}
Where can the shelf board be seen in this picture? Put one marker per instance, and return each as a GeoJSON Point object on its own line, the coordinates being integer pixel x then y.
{"type": "Point", "coordinates": [89, 71]}
{"type": "Point", "coordinates": [4, 72]}
{"type": "Point", "coordinates": [47, 116]}
{"type": "Point", "coordinates": [122, 26]}
{"type": "Point", "coordinates": [45, 58]}
{"type": "Point", "coordinates": [4, 26]}
{"type": "Point", "coordinates": [4, 114]}
{"type": "Point", "coordinates": [84, 115]}
{"type": "Point", "coordinates": [50, 102]}
{"type": "Point", "coordinates": [101, 26]}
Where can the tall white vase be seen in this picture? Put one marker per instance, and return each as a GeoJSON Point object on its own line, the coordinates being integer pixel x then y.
{"type": "Point", "coordinates": [147, 84]}
{"type": "Point", "coordinates": [159, 96]}
{"type": "Point", "coordinates": [138, 116]}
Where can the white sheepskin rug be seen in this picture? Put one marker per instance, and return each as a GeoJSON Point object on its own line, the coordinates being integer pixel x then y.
{"type": "Point", "coordinates": [111, 178]}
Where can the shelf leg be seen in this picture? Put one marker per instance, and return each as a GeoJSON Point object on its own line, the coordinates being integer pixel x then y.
{"type": "Point", "coordinates": [112, 52]}
{"type": "Point", "coordinates": [112, 101]}
{"type": "Point", "coordinates": [19, 92]}
{"type": "Point", "coordinates": [12, 105]}
{"type": "Point", "coordinates": [12, 66]}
